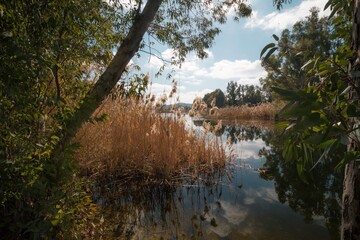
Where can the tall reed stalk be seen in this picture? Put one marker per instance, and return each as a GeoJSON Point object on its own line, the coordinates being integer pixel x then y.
{"type": "Point", "coordinates": [137, 143]}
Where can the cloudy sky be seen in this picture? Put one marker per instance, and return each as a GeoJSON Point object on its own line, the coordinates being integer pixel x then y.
{"type": "Point", "coordinates": [235, 54]}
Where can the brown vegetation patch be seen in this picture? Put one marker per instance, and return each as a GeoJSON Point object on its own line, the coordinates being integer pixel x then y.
{"type": "Point", "coordinates": [264, 111]}
{"type": "Point", "coordinates": [138, 144]}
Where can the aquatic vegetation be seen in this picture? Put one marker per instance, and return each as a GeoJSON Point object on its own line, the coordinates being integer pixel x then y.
{"type": "Point", "coordinates": [264, 111]}
{"type": "Point", "coordinates": [138, 144]}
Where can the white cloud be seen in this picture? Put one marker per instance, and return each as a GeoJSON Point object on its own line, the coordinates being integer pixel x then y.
{"type": "Point", "coordinates": [189, 79]}
{"type": "Point", "coordinates": [243, 71]}
{"type": "Point", "coordinates": [264, 193]}
{"type": "Point", "coordinates": [155, 62]}
{"type": "Point", "coordinates": [158, 89]}
{"type": "Point", "coordinates": [189, 96]}
{"type": "Point", "coordinates": [280, 20]}
{"type": "Point", "coordinates": [248, 151]}
{"type": "Point", "coordinates": [184, 96]}
{"type": "Point", "coordinates": [195, 74]}
{"type": "Point", "coordinates": [168, 54]}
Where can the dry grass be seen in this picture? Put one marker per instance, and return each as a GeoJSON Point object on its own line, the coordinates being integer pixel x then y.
{"type": "Point", "coordinates": [139, 144]}
{"type": "Point", "coordinates": [265, 111]}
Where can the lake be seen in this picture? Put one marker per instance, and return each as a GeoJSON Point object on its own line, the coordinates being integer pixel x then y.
{"type": "Point", "coordinates": [258, 196]}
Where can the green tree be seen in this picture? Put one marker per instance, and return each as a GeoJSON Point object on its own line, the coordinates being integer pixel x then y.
{"type": "Point", "coordinates": [326, 115]}
{"type": "Point", "coordinates": [217, 96]}
{"type": "Point", "coordinates": [252, 95]}
{"type": "Point", "coordinates": [309, 38]}
{"type": "Point", "coordinates": [238, 95]}
{"type": "Point", "coordinates": [232, 93]}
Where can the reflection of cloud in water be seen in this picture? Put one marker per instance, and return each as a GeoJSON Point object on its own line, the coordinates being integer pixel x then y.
{"type": "Point", "coordinates": [264, 193]}
{"type": "Point", "coordinates": [249, 200]}
{"type": "Point", "coordinates": [226, 217]}
{"type": "Point", "coordinates": [248, 149]}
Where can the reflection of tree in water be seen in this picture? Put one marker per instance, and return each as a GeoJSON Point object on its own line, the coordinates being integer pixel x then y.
{"type": "Point", "coordinates": [238, 133]}
{"type": "Point", "coordinates": [321, 196]}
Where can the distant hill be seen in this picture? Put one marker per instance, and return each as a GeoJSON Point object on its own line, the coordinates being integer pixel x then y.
{"type": "Point", "coordinates": [184, 105]}
{"type": "Point", "coordinates": [167, 108]}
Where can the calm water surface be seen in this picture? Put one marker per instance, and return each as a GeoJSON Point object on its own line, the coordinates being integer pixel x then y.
{"type": "Point", "coordinates": [243, 203]}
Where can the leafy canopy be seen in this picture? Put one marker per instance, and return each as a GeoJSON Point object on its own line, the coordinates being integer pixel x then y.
{"type": "Point", "coordinates": [319, 112]}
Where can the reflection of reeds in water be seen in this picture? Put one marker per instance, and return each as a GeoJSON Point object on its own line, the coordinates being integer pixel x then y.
{"type": "Point", "coordinates": [163, 212]}
{"type": "Point", "coordinates": [138, 144]}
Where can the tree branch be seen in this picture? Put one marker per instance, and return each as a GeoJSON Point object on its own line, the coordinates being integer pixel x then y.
{"type": "Point", "coordinates": [112, 74]}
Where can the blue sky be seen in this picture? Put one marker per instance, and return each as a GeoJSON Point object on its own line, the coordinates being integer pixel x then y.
{"type": "Point", "coordinates": [234, 55]}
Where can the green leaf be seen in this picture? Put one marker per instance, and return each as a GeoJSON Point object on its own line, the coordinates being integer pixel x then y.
{"type": "Point", "coordinates": [270, 45]}
{"type": "Point", "coordinates": [324, 154]}
{"type": "Point", "coordinates": [275, 37]}
{"type": "Point", "coordinates": [335, 10]}
{"type": "Point", "coordinates": [55, 222]}
{"type": "Point", "coordinates": [327, 4]}
{"type": "Point", "coordinates": [282, 125]}
{"type": "Point", "coordinates": [270, 53]}
{"type": "Point", "coordinates": [327, 143]}
{"type": "Point", "coordinates": [54, 137]}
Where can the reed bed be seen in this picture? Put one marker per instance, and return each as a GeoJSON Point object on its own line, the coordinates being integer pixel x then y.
{"type": "Point", "coordinates": [264, 111]}
{"type": "Point", "coordinates": [138, 144]}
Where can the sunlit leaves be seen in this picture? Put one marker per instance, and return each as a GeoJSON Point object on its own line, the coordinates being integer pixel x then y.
{"type": "Point", "coordinates": [188, 26]}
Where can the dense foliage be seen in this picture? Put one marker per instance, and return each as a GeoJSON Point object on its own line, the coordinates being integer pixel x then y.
{"type": "Point", "coordinates": [52, 52]}
{"type": "Point", "coordinates": [316, 89]}
{"type": "Point", "coordinates": [238, 95]}
{"type": "Point", "coordinates": [215, 98]}
{"type": "Point", "coordinates": [324, 115]}
{"type": "Point", "coordinates": [309, 38]}
{"type": "Point", "coordinates": [48, 50]}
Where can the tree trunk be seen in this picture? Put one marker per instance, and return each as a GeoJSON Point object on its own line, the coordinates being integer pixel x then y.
{"type": "Point", "coordinates": [112, 74]}
{"type": "Point", "coordinates": [350, 228]}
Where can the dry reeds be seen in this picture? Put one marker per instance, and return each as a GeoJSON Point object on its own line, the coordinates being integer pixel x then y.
{"type": "Point", "coordinates": [139, 144]}
{"type": "Point", "coordinates": [264, 111]}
